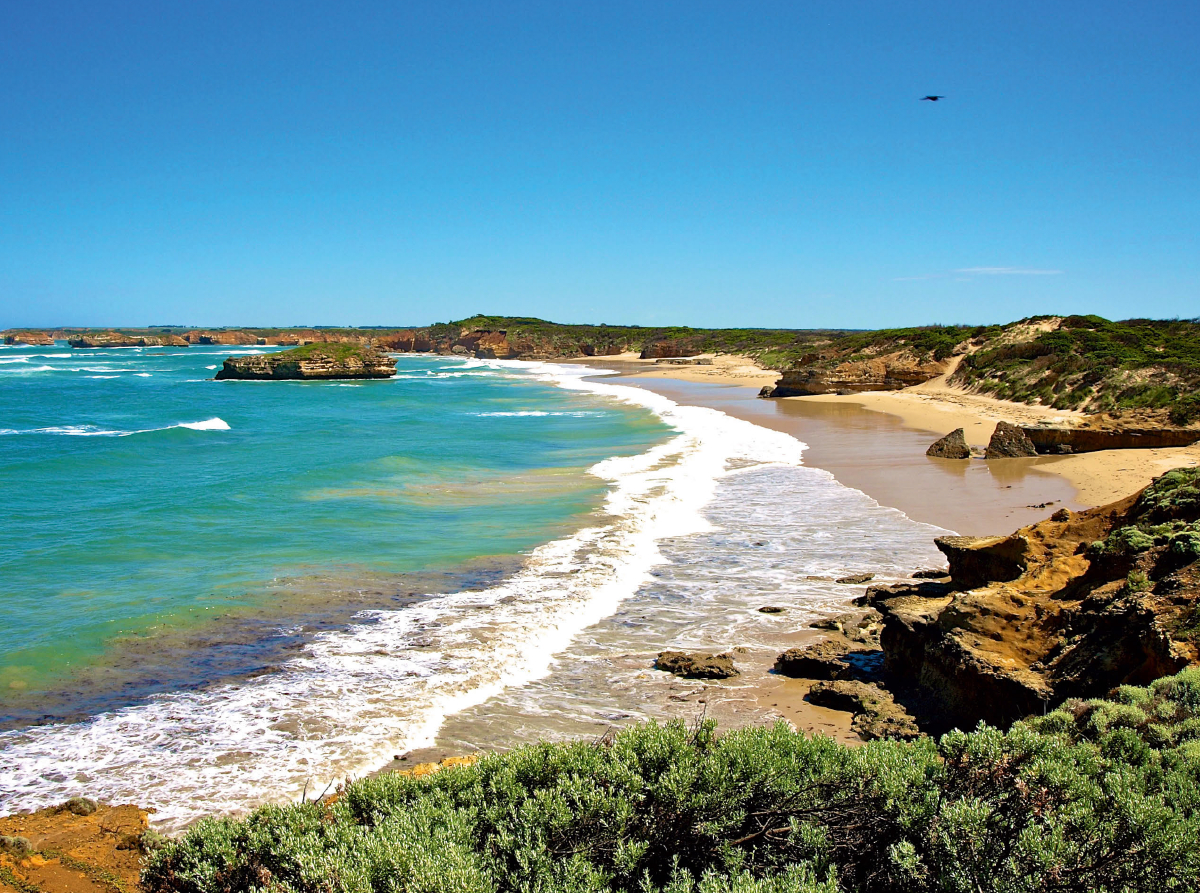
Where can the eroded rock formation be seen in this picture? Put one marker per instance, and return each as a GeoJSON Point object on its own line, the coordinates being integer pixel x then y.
{"type": "Point", "coordinates": [1090, 438]}
{"type": "Point", "coordinates": [120, 339]}
{"type": "Point", "coordinates": [1069, 607]}
{"type": "Point", "coordinates": [889, 372]}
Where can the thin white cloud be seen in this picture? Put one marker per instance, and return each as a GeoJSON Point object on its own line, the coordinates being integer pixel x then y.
{"type": "Point", "coordinates": [1008, 271]}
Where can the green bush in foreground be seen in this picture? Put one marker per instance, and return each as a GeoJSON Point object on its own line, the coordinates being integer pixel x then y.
{"type": "Point", "coordinates": [1099, 795]}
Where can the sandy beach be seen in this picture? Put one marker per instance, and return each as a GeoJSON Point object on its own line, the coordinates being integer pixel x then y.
{"type": "Point", "coordinates": [934, 408]}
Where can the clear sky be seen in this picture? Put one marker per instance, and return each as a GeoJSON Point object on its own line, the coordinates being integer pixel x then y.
{"type": "Point", "coordinates": [735, 163]}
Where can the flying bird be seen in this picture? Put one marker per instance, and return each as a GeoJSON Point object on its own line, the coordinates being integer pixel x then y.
{"type": "Point", "coordinates": [931, 98]}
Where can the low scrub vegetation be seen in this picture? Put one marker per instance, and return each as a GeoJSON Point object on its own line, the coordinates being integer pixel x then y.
{"type": "Point", "coordinates": [1166, 516]}
{"type": "Point", "coordinates": [1091, 363]}
{"type": "Point", "coordinates": [1099, 795]}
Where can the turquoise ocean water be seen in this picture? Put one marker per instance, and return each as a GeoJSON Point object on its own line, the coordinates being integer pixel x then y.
{"type": "Point", "coordinates": [220, 594]}
{"type": "Point", "coordinates": [144, 497]}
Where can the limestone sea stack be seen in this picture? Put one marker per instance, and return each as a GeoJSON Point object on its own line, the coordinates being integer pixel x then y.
{"type": "Point", "coordinates": [312, 362]}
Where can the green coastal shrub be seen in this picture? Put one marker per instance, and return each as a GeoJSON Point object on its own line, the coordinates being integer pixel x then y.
{"type": "Point", "coordinates": [1092, 363]}
{"type": "Point", "coordinates": [1100, 795]}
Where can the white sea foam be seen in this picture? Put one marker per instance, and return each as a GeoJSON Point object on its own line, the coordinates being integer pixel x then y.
{"type": "Point", "coordinates": [213, 424]}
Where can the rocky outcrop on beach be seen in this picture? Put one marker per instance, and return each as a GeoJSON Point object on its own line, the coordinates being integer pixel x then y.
{"type": "Point", "coordinates": [1009, 442]}
{"type": "Point", "coordinates": [696, 665]}
{"type": "Point", "coordinates": [1094, 436]}
{"type": "Point", "coordinates": [1069, 607]}
{"type": "Point", "coordinates": [831, 659]}
{"type": "Point", "coordinates": [33, 339]}
{"type": "Point", "coordinates": [978, 560]}
{"type": "Point", "coordinates": [320, 361]}
{"type": "Point", "coordinates": [814, 374]}
{"type": "Point", "coordinates": [952, 446]}
{"type": "Point", "coordinates": [876, 713]}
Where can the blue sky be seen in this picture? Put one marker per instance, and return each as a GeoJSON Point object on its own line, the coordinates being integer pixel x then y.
{"type": "Point", "coordinates": [737, 163]}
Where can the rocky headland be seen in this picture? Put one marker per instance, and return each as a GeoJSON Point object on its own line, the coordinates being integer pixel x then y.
{"type": "Point", "coordinates": [319, 361]}
{"type": "Point", "coordinates": [1071, 607]}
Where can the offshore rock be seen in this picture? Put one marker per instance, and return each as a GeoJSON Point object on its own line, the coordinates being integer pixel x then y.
{"type": "Point", "coordinates": [34, 339]}
{"type": "Point", "coordinates": [696, 665]}
{"type": "Point", "coordinates": [855, 579]}
{"type": "Point", "coordinates": [320, 361]}
{"type": "Point", "coordinates": [952, 446]}
{"type": "Point", "coordinates": [1009, 442]}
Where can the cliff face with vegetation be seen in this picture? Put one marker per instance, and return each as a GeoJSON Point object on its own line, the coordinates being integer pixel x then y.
{"type": "Point", "coordinates": [1070, 607]}
{"type": "Point", "coordinates": [312, 362]}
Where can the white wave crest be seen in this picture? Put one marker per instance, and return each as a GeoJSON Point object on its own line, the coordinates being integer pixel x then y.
{"type": "Point", "coordinates": [213, 424]}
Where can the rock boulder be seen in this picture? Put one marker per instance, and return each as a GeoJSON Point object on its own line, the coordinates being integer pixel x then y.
{"type": "Point", "coordinates": [952, 446]}
{"type": "Point", "coordinates": [1009, 442]}
{"type": "Point", "coordinates": [696, 665]}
